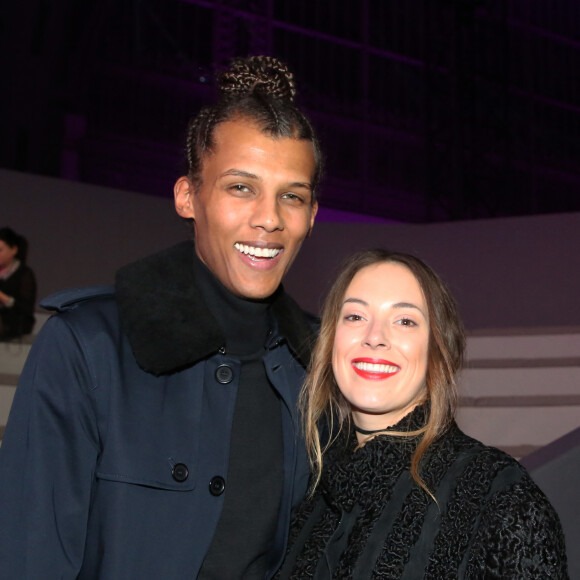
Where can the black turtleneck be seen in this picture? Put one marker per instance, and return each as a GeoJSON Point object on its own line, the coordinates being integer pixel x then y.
{"type": "Point", "coordinates": [244, 323]}
{"type": "Point", "coordinates": [244, 534]}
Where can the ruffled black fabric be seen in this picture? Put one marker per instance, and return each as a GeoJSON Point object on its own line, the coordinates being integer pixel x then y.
{"type": "Point", "coordinates": [491, 520]}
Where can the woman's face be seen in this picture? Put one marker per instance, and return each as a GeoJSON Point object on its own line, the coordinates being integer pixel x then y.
{"type": "Point", "coordinates": [7, 254]}
{"type": "Point", "coordinates": [379, 356]}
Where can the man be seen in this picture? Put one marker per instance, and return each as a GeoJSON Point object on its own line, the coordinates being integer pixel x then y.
{"type": "Point", "coordinates": [154, 432]}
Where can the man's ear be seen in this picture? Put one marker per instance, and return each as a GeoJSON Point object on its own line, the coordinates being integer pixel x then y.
{"type": "Point", "coordinates": [183, 194]}
{"type": "Point", "coordinates": [312, 217]}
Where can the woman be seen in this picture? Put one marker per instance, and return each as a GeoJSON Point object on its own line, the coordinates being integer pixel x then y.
{"type": "Point", "coordinates": [17, 286]}
{"type": "Point", "coordinates": [398, 490]}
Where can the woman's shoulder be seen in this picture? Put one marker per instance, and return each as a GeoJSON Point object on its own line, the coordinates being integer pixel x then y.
{"type": "Point", "coordinates": [476, 448]}
{"type": "Point", "coordinates": [456, 448]}
{"type": "Point", "coordinates": [510, 488]}
{"type": "Point", "coordinates": [482, 469]}
{"type": "Point", "coordinates": [516, 512]}
{"type": "Point", "coordinates": [509, 509]}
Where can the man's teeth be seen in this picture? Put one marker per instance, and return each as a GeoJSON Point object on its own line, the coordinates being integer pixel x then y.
{"type": "Point", "coordinates": [375, 368]}
{"type": "Point", "coordinates": [257, 252]}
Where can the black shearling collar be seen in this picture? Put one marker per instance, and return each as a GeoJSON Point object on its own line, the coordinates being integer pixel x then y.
{"type": "Point", "coordinates": [170, 328]}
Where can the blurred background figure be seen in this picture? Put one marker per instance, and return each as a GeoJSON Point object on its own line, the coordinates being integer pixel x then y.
{"type": "Point", "coordinates": [17, 286]}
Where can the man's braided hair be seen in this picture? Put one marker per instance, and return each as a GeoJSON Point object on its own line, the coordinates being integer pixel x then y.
{"type": "Point", "coordinates": [260, 89]}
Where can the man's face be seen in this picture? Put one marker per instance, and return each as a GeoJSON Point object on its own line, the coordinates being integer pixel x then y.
{"type": "Point", "coordinates": [253, 208]}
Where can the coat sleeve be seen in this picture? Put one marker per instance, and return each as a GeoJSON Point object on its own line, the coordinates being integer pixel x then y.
{"type": "Point", "coordinates": [520, 537]}
{"type": "Point", "coordinates": [47, 461]}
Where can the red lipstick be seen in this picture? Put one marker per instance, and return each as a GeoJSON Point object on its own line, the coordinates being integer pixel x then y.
{"type": "Point", "coordinates": [373, 369]}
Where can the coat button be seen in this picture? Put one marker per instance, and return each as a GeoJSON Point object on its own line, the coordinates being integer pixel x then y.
{"type": "Point", "coordinates": [217, 485]}
{"type": "Point", "coordinates": [180, 472]}
{"type": "Point", "coordinates": [224, 374]}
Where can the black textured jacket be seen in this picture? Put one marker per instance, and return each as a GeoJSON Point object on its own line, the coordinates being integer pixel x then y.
{"type": "Point", "coordinates": [368, 519]}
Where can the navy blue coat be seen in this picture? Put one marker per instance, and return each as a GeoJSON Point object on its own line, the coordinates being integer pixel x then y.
{"type": "Point", "coordinates": [119, 388]}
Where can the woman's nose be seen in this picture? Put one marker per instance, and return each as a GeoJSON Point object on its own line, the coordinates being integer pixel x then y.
{"type": "Point", "coordinates": [376, 336]}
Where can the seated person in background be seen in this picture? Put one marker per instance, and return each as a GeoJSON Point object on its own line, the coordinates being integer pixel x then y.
{"type": "Point", "coordinates": [398, 491]}
{"type": "Point", "coordinates": [17, 286]}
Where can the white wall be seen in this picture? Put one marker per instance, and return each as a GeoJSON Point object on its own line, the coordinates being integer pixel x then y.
{"type": "Point", "coordinates": [509, 272]}
{"type": "Point", "coordinates": [80, 234]}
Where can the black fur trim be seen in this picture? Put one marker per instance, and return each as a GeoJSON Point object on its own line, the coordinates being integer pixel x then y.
{"type": "Point", "coordinates": [167, 323]}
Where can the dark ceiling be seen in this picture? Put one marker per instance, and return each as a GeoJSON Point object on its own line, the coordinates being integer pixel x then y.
{"type": "Point", "coordinates": [428, 110]}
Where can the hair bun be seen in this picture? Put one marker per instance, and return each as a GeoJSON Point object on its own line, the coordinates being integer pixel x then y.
{"type": "Point", "coordinates": [257, 74]}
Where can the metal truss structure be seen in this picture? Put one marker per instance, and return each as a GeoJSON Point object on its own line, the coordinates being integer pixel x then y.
{"type": "Point", "coordinates": [428, 110]}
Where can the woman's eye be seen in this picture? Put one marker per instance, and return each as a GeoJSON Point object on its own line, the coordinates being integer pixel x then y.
{"type": "Point", "coordinates": [406, 322]}
{"type": "Point", "coordinates": [353, 317]}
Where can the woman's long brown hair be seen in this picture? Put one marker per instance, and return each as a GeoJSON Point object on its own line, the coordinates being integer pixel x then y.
{"type": "Point", "coordinates": [321, 400]}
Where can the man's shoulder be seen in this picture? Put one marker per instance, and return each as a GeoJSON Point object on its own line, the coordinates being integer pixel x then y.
{"type": "Point", "coordinates": [72, 298]}
{"type": "Point", "coordinates": [85, 309]}
{"type": "Point", "coordinates": [85, 313]}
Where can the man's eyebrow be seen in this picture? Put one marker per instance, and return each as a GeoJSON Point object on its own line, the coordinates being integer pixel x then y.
{"type": "Point", "coordinates": [301, 184]}
{"type": "Point", "coordinates": [240, 173]}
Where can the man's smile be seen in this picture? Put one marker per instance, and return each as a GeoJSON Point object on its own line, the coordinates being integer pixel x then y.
{"type": "Point", "coordinates": [257, 252]}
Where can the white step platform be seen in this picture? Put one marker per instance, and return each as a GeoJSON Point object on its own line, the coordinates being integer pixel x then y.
{"type": "Point", "coordinates": [13, 355]}
{"type": "Point", "coordinates": [520, 391]}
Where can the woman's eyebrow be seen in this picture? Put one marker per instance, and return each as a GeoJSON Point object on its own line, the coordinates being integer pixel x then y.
{"type": "Point", "coordinates": [409, 305]}
{"type": "Point", "coordinates": [356, 300]}
{"type": "Point", "coordinates": [396, 305]}
{"type": "Point", "coordinates": [405, 305]}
